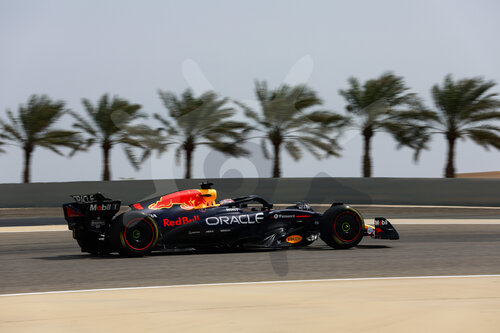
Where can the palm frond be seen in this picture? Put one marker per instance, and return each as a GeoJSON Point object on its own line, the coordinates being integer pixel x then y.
{"type": "Point", "coordinates": [228, 148]}
{"type": "Point", "coordinates": [91, 111]}
{"type": "Point", "coordinates": [249, 113]}
{"type": "Point", "coordinates": [265, 150]}
{"type": "Point", "coordinates": [111, 120]}
{"type": "Point", "coordinates": [285, 118]}
{"type": "Point", "coordinates": [202, 120]}
{"type": "Point", "coordinates": [11, 133]}
{"type": "Point", "coordinates": [51, 148]}
{"type": "Point", "coordinates": [178, 155]}
{"type": "Point", "coordinates": [485, 138]}
{"type": "Point", "coordinates": [294, 150]}
{"type": "Point", "coordinates": [131, 156]}
{"type": "Point", "coordinates": [83, 124]}
{"type": "Point", "coordinates": [464, 106]}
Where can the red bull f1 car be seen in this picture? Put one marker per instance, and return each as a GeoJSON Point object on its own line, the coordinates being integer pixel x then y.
{"type": "Point", "coordinates": [192, 219]}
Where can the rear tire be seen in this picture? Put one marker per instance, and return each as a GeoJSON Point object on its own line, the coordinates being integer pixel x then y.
{"type": "Point", "coordinates": [342, 227]}
{"type": "Point", "coordinates": [134, 234]}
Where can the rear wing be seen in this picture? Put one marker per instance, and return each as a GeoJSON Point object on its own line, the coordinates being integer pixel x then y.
{"type": "Point", "coordinates": [90, 210]}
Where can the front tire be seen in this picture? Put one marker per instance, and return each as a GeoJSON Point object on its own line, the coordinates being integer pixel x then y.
{"type": "Point", "coordinates": [342, 227]}
{"type": "Point", "coordinates": [134, 234]}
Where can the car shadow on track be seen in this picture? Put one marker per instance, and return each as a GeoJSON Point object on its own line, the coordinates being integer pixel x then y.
{"type": "Point", "coordinates": [188, 252]}
{"type": "Point", "coordinates": [366, 247]}
{"type": "Point", "coordinates": [182, 252]}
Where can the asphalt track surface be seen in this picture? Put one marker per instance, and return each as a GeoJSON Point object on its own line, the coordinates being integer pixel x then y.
{"type": "Point", "coordinates": [47, 261]}
{"type": "Point", "coordinates": [11, 217]}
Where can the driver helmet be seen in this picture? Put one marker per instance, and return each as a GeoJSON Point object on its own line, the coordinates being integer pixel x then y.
{"type": "Point", "coordinates": [226, 201]}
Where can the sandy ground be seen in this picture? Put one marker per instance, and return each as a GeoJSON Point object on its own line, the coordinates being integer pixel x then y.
{"type": "Point", "coordinates": [467, 304]}
{"type": "Point", "coordinates": [487, 174]}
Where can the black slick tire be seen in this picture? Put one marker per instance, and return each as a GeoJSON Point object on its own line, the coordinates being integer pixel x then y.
{"type": "Point", "coordinates": [133, 234]}
{"type": "Point", "coordinates": [342, 227]}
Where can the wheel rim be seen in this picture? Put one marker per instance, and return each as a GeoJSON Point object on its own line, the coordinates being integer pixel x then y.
{"type": "Point", "coordinates": [136, 234]}
{"type": "Point", "coordinates": [139, 234]}
{"type": "Point", "coordinates": [347, 227]}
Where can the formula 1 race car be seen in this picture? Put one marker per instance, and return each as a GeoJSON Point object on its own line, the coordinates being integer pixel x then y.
{"type": "Point", "coordinates": [192, 219]}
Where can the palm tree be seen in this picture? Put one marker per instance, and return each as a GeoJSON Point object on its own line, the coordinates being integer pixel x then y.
{"type": "Point", "coordinates": [285, 122]}
{"type": "Point", "coordinates": [108, 124]}
{"type": "Point", "coordinates": [196, 121]}
{"type": "Point", "coordinates": [33, 127]}
{"type": "Point", "coordinates": [465, 109]}
{"type": "Point", "coordinates": [378, 104]}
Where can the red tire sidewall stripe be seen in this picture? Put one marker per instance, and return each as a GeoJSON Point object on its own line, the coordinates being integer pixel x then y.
{"type": "Point", "coordinates": [152, 238]}
{"type": "Point", "coordinates": [335, 226]}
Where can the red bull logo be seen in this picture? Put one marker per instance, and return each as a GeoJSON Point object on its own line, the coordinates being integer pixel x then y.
{"type": "Point", "coordinates": [189, 199]}
{"type": "Point", "coordinates": [180, 221]}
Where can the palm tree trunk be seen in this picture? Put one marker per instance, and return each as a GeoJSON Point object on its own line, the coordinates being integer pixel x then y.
{"type": "Point", "coordinates": [28, 150]}
{"type": "Point", "coordinates": [450, 165]}
{"type": "Point", "coordinates": [106, 150]}
{"type": "Point", "coordinates": [367, 162]}
{"type": "Point", "coordinates": [189, 146]}
{"type": "Point", "coordinates": [277, 162]}
{"type": "Point", "coordinates": [189, 160]}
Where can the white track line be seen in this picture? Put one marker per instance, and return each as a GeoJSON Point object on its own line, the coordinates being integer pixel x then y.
{"type": "Point", "coordinates": [37, 228]}
{"type": "Point", "coordinates": [254, 283]}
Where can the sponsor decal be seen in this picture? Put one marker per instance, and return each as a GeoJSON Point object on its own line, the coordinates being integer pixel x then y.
{"type": "Point", "coordinates": [279, 216]}
{"type": "Point", "coordinates": [293, 239]}
{"type": "Point", "coordinates": [232, 209]}
{"type": "Point", "coordinates": [189, 199]}
{"type": "Point", "coordinates": [104, 207]}
{"type": "Point", "coordinates": [180, 221]}
{"type": "Point", "coordinates": [86, 198]}
{"type": "Point", "coordinates": [97, 223]}
{"type": "Point", "coordinates": [382, 222]}
{"type": "Point", "coordinates": [235, 219]}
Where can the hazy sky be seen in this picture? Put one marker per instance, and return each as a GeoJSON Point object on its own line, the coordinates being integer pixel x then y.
{"type": "Point", "coordinates": [75, 49]}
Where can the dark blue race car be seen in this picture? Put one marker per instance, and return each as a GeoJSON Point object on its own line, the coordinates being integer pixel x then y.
{"type": "Point", "coordinates": [192, 219]}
